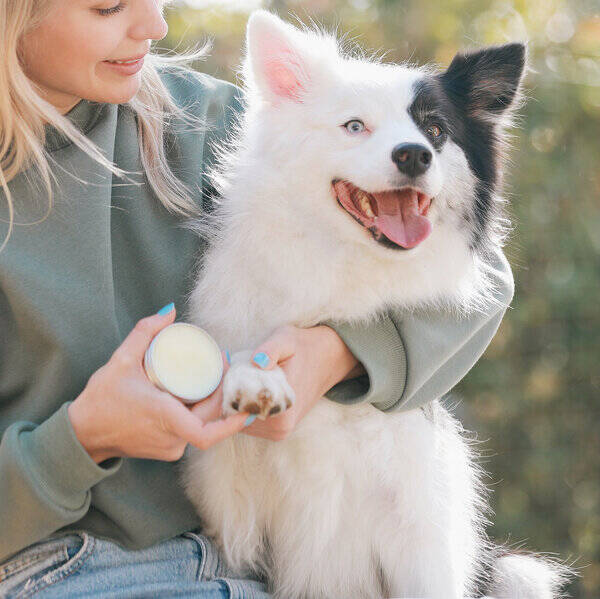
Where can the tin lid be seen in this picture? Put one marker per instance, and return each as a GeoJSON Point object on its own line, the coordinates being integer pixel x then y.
{"type": "Point", "coordinates": [184, 360]}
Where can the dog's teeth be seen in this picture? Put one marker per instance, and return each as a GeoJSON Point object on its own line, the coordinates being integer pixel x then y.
{"type": "Point", "coordinates": [365, 204]}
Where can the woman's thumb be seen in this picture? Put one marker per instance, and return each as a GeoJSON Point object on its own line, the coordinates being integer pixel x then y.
{"type": "Point", "coordinates": [278, 347]}
{"type": "Point", "coordinates": [144, 331]}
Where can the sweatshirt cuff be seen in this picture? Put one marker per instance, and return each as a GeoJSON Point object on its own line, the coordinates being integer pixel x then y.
{"type": "Point", "coordinates": [64, 470]}
{"type": "Point", "coordinates": [378, 346]}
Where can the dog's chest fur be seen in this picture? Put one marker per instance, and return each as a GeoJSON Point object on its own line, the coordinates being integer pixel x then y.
{"type": "Point", "coordinates": [265, 274]}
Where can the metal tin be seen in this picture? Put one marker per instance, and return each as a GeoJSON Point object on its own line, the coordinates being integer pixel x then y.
{"type": "Point", "coordinates": [153, 369]}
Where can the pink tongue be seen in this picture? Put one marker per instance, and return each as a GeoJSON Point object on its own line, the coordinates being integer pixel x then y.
{"type": "Point", "coordinates": [399, 218]}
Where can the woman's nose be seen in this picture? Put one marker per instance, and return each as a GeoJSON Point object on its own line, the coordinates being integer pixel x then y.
{"type": "Point", "coordinates": [149, 21]}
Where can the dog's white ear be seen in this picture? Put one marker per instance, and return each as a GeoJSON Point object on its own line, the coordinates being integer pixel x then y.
{"type": "Point", "coordinates": [275, 54]}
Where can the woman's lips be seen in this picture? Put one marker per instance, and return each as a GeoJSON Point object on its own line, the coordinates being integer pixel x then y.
{"type": "Point", "coordinates": [126, 69]}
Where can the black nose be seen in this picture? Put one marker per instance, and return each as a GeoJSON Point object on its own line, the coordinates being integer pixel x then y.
{"type": "Point", "coordinates": [411, 159]}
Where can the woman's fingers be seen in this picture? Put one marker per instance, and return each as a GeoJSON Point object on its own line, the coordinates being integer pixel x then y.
{"type": "Point", "coordinates": [188, 426]}
{"type": "Point", "coordinates": [201, 424]}
{"type": "Point", "coordinates": [280, 346]}
{"type": "Point", "coordinates": [210, 408]}
{"type": "Point", "coordinates": [216, 431]}
{"type": "Point", "coordinates": [139, 338]}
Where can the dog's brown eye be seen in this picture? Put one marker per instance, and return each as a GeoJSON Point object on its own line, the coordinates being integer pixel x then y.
{"type": "Point", "coordinates": [434, 131]}
{"type": "Point", "coordinates": [354, 126]}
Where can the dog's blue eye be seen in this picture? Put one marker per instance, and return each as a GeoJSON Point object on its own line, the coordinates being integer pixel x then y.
{"type": "Point", "coordinates": [354, 126]}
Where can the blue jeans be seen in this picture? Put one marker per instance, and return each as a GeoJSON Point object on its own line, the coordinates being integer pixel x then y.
{"type": "Point", "coordinates": [80, 565]}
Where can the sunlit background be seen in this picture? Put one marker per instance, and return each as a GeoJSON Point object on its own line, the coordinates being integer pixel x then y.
{"type": "Point", "coordinates": [534, 396]}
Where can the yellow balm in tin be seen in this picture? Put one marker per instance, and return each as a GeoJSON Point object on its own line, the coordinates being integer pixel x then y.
{"type": "Point", "coordinates": [185, 361]}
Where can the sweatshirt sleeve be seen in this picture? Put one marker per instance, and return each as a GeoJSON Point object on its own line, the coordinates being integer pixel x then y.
{"type": "Point", "coordinates": [412, 358]}
{"type": "Point", "coordinates": [45, 480]}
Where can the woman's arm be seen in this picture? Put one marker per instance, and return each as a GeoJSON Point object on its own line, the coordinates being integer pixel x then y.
{"type": "Point", "coordinates": [399, 362]}
{"type": "Point", "coordinates": [412, 358]}
{"type": "Point", "coordinates": [47, 471]}
{"type": "Point", "coordinates": [45, 480]}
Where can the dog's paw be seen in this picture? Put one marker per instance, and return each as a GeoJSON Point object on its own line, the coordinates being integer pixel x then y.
{"type": "Point", "coordinates": [247, 388]}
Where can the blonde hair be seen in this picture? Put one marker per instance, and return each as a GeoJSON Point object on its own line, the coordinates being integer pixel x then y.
{"type": "Point", "coordinates": [24, 113]}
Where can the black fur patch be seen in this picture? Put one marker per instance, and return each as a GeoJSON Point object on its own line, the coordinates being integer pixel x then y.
{"type": "Point", "coordinates": [463, 100]}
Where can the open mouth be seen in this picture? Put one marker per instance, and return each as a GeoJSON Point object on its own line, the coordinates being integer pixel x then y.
{"type": "Point", "coordinates": [396, 218]}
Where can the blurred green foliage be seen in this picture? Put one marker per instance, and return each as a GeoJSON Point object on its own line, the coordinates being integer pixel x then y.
{"type": "Point", "coordinates": [533, 397]}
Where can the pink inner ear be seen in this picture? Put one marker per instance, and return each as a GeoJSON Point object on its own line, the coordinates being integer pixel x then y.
{"type": "Point", "coordinates": [282, 80]}
{"type": "Point", "coordinates": [283, 70]}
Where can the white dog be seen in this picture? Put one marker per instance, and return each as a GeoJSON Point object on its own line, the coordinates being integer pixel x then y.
{"type": "Point", "coordinates": [350, 186]}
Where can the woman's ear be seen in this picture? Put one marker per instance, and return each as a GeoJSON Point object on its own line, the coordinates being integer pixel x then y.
{"type": "Point", "coordinates": [277, 58]}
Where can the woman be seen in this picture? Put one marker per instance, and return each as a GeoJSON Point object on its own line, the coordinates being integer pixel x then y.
{"type": "Point", "coordinates": [89, 496]}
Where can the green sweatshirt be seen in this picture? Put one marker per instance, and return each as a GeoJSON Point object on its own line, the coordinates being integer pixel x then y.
{"type": "Point", "coordinates": [73, 286]}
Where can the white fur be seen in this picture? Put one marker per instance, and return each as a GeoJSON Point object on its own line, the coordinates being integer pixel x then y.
{"type": "Point", "coordinates": [356, 502]}
{"type": "Point", "coordinates": [521, 576]}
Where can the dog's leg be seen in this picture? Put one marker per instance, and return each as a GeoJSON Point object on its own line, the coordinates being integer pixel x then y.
{"type": "Point", "coordinates": [425, 567]}
{"type": "Point", "coordinates": [226, 485]}
{"type": "Point", "coordinates": [430, 543]}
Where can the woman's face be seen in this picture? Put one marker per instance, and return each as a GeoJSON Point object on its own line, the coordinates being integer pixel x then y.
{"type": "Point", "coordinates": [67, 54]}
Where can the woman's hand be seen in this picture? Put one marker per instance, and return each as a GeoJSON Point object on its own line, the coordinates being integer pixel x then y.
{"type": "Point", "coordinates": [314, 360]}
{"type": "Point", "coordinates": [121, 413]}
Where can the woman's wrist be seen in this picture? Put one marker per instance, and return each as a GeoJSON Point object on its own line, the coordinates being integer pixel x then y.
{"type": "Point", "coordinates": [88, 439]}
{"type": "Point", "coordinates": [356, 371]}
{"type": "Point", "coordinates": [344, 364]}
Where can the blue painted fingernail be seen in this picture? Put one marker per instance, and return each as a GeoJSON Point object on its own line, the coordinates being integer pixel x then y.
{"type": "Point", "coordinates": [228, 356]}
{"type": "Point", "coordinates": [250, 420]}
{"type": "Point", "coordinates": [261, 359]}
{"type": "Point", "coordinates": [166, 309]}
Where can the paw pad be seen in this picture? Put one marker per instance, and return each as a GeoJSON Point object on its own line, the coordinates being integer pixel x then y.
{"type": "Point", "coordinates": [249, 389]}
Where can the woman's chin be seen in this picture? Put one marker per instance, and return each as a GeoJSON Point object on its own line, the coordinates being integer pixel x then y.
{"type": "Point", "coordinates": [118, 94]}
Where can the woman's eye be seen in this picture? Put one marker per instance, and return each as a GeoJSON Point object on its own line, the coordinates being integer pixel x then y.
{"type": "Point", "coordinates": [434, 130]}
{"type": "Point", "coordinates": [354, 126]}
{"type": "Point", "coordinates": [111, 11]}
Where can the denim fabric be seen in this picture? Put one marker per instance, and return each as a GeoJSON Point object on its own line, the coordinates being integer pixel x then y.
{"type": "Point", "coordinates": [80, 565]}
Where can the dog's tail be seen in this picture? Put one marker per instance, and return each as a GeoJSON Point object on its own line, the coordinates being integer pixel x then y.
{"type": "Point", "coordinates": [527, 576]}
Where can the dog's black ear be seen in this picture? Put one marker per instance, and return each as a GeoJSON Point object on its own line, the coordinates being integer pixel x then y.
{"type": "Point", "coordinates": [486, 80]}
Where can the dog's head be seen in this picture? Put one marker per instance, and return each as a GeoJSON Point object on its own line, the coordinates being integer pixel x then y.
{"type": "Point", "coordinates": [408, 153]}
